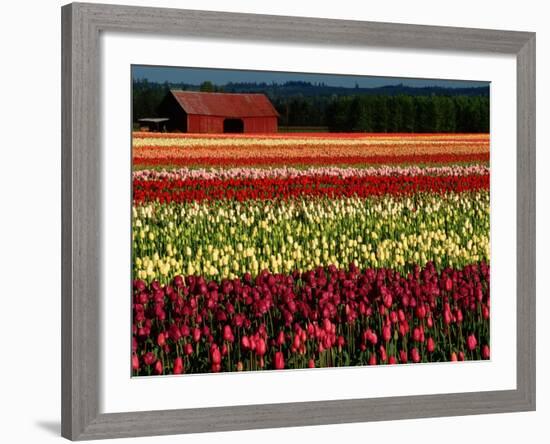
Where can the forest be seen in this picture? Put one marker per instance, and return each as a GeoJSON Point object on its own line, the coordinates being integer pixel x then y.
{"type": "Point", "coordinates": [388, 109]}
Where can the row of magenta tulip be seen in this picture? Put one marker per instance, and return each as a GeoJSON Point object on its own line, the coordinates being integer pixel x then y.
{"type": "Point", "coordinates": [325, 317]}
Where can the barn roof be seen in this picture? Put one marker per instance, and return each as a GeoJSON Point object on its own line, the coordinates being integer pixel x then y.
{"type": "Point", "coordinates": [225, 104]}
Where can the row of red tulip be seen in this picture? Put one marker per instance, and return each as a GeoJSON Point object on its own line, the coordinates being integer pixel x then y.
{"type": "Point", "coordinates": [193, 190]}
{"type": "Point", "coordinates": [266, 160]}
{"type": "Point", "coordinates": [321, 318]}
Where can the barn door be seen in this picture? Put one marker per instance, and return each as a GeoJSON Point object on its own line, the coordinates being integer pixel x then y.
{"type": "Point", "coordinates": [233, 126]}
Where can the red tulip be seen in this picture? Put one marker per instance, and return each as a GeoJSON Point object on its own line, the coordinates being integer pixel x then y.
{"type": "Point", "coordinates": [471, 342]}
{"type": "Point", "coordinates": [448, 284]}
{"type": "Point", "coordinates": [260, 347]}
{"type": "Point", "coordinates": [416, 334]}
{"type": "Point", "coordinates": [196, 334]}
{"type": "Point", "coordinates": [188, 349]}
{"type": "Point", "coordinates": [392, 360]}
{"type": "Point", "coordinates": [383, 355]}
{"type": "Point", "coordinates": [371, 336]}
{"type": "Point", "coordinates": [279, 361]}
{"type": "Point", "coordinates": [421, 311]}
{"type": "Point", "coordinates": [430, 345]}
{"type": "Point", "coordinates": [386, 332]}
{"type": "Point", "coordinates": [161, 339]}
{"type": "Point", "coordinates": [149, 358]}
{"type": "Point", "coordinates": [228, 334]}
{"type": "Point", "coordinates": [311, 363]}
{"type": "Point", "coordinates": [178, 366]}
{"type": "Point", "coordinates": [372, 359]}
{"type": "Point", "coordinates": [296, 341]}
{"type": "Point", "coordinates": [215, 355]}
{"type": "Point", "coordinates": [401, 315]}
{"type": "Point", "coordinates": [430, 322]}
{"type": "Point", "coordinates": [403, 356]}
{"type": "Point", "coordinates": [415, 355]}
{"type": "Point", "coordinates": [135, 362]}
{"type": "Point", "coordinates": [245, 342]}
{"type": "Point", "coordinates": [158, 367]}
{"type": "Point", "coordinates": [461, 356]}
{"type": "Point", "coordinates": [485, 352]}
{"type": "Point", "coordinates": [387, 300]}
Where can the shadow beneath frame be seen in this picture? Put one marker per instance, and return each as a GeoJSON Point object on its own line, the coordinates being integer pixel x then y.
{"type": "Point", "coordinates": [53, 427]}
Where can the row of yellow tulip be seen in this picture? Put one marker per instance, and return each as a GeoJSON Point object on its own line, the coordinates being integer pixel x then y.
{"type": "Point", "coordinates": [227, 239]}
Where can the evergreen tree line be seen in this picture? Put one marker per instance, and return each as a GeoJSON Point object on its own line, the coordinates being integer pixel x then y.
{"type": "Point", "coordinates": [419, 114]}
{"type": "Point", "coordinates": [358, 112]}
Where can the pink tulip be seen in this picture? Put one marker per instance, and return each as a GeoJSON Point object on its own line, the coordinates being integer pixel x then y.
{"type": "Point", "coordinates": [415, 355]}
{"type": "Point", "coordinates": [485, 352]}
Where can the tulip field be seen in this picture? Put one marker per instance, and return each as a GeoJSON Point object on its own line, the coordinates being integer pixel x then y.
{"type": "Point", "coordinates": [307, 250]}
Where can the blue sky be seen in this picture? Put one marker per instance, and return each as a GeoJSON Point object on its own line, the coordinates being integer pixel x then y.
{"type": "Point", "coordinates": [196, 76]}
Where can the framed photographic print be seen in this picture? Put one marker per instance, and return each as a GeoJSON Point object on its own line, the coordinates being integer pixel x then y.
{"type": "Point", "coordinates": [268, 215]}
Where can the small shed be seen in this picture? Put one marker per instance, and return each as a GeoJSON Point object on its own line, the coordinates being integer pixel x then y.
{"type": "Point", "coordinates": [153, 123]}
{"type": "Point", "coordinates": [212, 112]}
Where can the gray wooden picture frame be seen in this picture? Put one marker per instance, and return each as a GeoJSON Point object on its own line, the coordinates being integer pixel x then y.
{"type": "Point", "coordinates": [81, 231]}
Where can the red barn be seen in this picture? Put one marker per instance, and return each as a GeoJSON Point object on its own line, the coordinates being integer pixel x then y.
{"type": "Point", "coordinates": [210, 112]}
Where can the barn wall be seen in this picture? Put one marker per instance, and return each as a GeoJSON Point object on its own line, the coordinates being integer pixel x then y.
{"type": "Point", "coordinates": [260, 124]}
{"type": "Point", "coordinates": [204, 124]}
{"type": "Point", "coordinates": [211, 124]}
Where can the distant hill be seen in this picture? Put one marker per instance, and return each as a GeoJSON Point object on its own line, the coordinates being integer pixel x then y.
{"type": "Point", "coordinates": [307, 89]}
